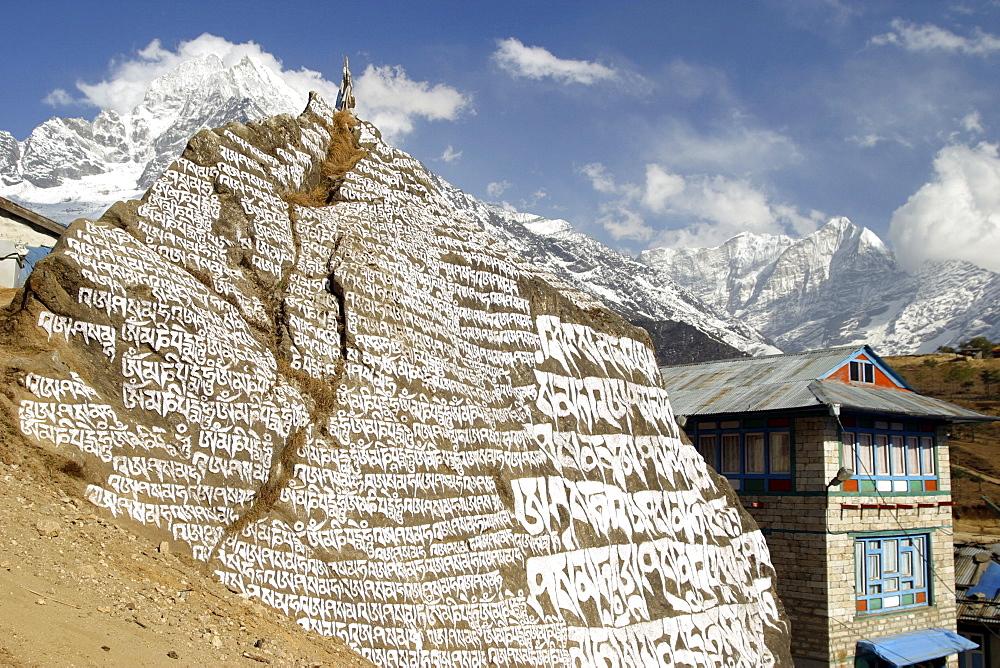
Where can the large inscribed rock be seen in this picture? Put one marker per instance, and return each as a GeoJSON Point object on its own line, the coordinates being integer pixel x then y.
{"type": "Point", "coordinates": [296, 358]}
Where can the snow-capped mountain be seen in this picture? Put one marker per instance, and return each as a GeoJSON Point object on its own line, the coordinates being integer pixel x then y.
{"type": "Point", "coordinates": [71, 168]}
{"type": "Point", "coordinates": [840, 285]}
{"type": "Point", "coordinates": [684, 327]}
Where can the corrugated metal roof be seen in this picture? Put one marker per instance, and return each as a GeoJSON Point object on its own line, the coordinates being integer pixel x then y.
{"type": "Point", "coordinates": [967, 568]}
{"type": "Point", "coordinates": [783, 382]}
{"type": "Point", "coordinates": [897, 402]}
{"type": "Point", "coordinates": [972, 561]}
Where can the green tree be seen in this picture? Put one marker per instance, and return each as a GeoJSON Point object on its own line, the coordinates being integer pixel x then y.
{"type": "Point", "coordinates": [990, 378]}
{"type": "Point", "coordinates": [959, 373]}
{"type": "Point", "coordinates": [978, 343]}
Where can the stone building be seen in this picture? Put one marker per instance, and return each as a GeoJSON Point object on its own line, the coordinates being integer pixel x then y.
{"type": "Point", "coordinates": [845, 468]}
{"type": "Point", "coordinates": [25, 237]}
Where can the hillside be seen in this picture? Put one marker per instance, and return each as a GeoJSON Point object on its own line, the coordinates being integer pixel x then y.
{"type": "Point", "coordinates": [78, 588]}
{"type": "Point", "coordinates": [974, 449]}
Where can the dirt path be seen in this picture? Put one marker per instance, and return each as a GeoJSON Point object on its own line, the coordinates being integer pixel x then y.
{"type": "Point", "coordinates": [978, 474]}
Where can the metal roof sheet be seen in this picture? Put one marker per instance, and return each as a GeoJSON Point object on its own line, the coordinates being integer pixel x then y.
{"type": "Point", "coordinates": [32, 218]}
{"type": "Point", "coordinates": [878, 400]}
{"type": "Point", "coordinates": [783, 382]}
{"type": "Point", "coordinates": [975, 567]}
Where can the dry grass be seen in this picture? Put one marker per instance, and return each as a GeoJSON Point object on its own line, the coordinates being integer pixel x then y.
{"type": "Point", "coordinates": [341, 156]}
{"type": "Point", "coordinates": [974, 447]}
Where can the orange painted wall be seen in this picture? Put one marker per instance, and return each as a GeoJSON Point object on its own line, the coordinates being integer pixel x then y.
{"type": "Point", "coordinates": [843, 374]}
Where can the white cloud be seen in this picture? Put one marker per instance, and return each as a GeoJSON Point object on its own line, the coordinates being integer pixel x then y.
{"type": "Point", "coordinates": [929, 37]}
{"type": "Point", "coordinates": [386, 96]}
{"type": "Point", "coordinates": [955, 216]}
{"type": "Point", "coordinates": [624, 223]}
{"type": "Point", "coordinates": [497, 188]}
{"type": "Point", "coordinates": [130, 77]}
{"type": "Point", "coordinates": [59, 98]}
{"type": "Point", "coordinates": [536, 62]}
{"type": "Point", "coordinates": [712, 208]}
{"type": "Point", "coordinates": [973, 123]}
{"type": "Point", "coordinates": [450, 155]}
{"type": "Point", "coordinates": [731, 146]}
{"type": "Point", "coordinates": [392, 101]}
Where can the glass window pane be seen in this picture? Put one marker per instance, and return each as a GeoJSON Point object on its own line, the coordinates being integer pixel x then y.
{"type": "Point", "coordinates": [881, 454]}
{"type": "Point", "coordinates": [891, 584]}
{"type": "Point", "coordinates": [849, 452]}
{"type": "Point", "coordinates": [730, 453]}
{"type": "Point", "coordinates": [859, 567]}
{"type": "Point", "coordinates": [898, 457]}
{"type": "Point", "coordinates": [912, 455]}
{"type": "Point", "coordinates": [890, 550]}
{"type": "Point", "coordinates": [927, 455]}
{"type": "Point", "coordinates": [755, 453]}
{"type": "Point", "coordinates": [866, 454]}
{"type": "Point", "coordinates": [869, 372]}
{"type": "Point", "coordinates": [919, 561]}
{"type": "Point", "coordinates": [874, 569]}
{"type": "Point", "coordinates": [781, 461]}
{"type": "Point", "coordinates": [706, 448]}
{"type": "Point", "coordinates": [906, 563]}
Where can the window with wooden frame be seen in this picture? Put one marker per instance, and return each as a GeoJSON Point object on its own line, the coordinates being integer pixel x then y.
{"type": "Point", "coordinates": [891, 573]}
{"type": "Point", "coordinates": [755, 454]}
{"type": "Point", "coordinates": [889, 456]}
{"type": "Point", "coordinates": [862, 371]}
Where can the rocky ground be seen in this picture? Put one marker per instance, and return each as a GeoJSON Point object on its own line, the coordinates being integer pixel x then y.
{"type": "Point", "coordinates": [77, 589]}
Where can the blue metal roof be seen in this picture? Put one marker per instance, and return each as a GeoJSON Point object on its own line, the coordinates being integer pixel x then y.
{"type": "Point", "coordinates": [904, 649]}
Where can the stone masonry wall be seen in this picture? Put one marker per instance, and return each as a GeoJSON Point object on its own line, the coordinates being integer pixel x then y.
{"type": "Point", "coordinates": [811, 539]}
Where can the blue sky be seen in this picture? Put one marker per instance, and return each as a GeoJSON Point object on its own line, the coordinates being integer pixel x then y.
{"type": "Point", "coordinates": [643, 124]}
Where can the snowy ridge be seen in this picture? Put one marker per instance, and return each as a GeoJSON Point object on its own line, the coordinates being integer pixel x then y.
{"type": "Point", "coordinates": [840, 285]}
{"type": "Point", "coordinates": [69, 168]}
{"type": "Point", "coordinates": [72, 168]}
{"type": "Point", "coordinates": [620, 282]}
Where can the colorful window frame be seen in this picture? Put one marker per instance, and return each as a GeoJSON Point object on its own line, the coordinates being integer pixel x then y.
{"type": "Point", "coordinates": [862, 371]}
{"type": "Point", "coordinates": [891, 573]}
{"type": "Point", "coordinates": [755, 454]}
{"type": "Point", "coordinates": [889, 456]}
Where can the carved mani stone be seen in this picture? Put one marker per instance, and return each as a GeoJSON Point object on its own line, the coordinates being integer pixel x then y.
{"type": "Point", "coordinates": [370, 416]}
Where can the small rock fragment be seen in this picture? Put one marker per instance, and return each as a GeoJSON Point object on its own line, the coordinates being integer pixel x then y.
{"type": "Point", "coordinates": [172, 654]}
{"type": "Point", "coordinates": [105, 648]}
{"type": "Point", "coordinates": [40, 601]}
{"type": "Point", "coordinates": [164, 547]}
{"type": "Point", "coordinates": [48, 528]}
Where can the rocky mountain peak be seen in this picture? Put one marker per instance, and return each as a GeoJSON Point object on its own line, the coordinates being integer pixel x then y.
{"type": "Point", "coordinates": [840, 285]}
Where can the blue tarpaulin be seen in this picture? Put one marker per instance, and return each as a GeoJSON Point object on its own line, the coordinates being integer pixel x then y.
{"type": "Point", "coordinates": [989, 583]}
{"type": "Point", "coordinates": [904, 649]}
